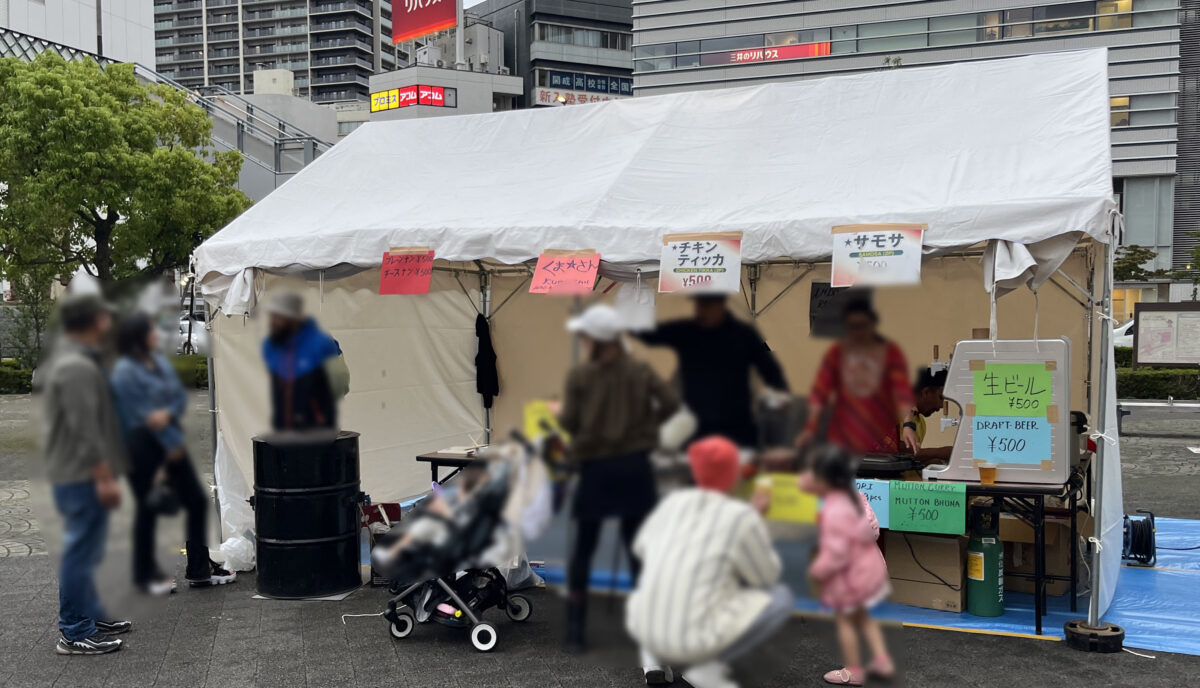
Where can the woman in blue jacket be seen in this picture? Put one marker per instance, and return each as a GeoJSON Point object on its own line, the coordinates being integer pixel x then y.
{"type": "Point", "coordinates": [151, 401]}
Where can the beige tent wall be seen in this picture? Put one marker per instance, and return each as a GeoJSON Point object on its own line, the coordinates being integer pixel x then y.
{"type": "Point", "coordinates": [412, 357]}
{"type": "Point", "coordinates": [412, 375]}
{"type": "Point", "coordinates": [534, 349]}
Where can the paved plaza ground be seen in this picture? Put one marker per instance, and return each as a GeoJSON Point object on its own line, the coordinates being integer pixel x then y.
{"type": "Point", "coordinates": [224, 638]}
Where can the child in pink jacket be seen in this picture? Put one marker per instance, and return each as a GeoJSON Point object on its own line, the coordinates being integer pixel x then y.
{"type": "Point", "coordinates": [848, 565]}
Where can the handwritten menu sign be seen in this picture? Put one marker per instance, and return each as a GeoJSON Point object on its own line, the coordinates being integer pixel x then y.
{"type": "Point", "coordinates": [879, 496]}
{"type": "Point", "coordinates": [928, 507]}
{"type": "Point", "coordinates": [706, 263]}
{"type": "Point", "coordinates": [565, 272]}
{"type": "Point", "coordinates": [1011, 440]}
{"type": "Point", "coordinates": [789, 503]}
{"type": "Point", "coordinates": [1013, 389]}
{"type": "Point", "coordinates": [406, 271]}
{"type": "Point", "coordinates": [877, 254]}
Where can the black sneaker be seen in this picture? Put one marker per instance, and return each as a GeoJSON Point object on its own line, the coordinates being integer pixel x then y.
{"type": "Point", "coordinates": [98, 644]}
{"type": "Point", "coordinates": [216, 576]}
{"type": "Point", "coordinates": [114, 627]}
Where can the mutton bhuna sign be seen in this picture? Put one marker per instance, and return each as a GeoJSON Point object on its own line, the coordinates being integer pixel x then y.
{"type": "Point", "coordinates": [707, 263]}
{"type": "Point", "coordinates": [416, 18]}
{"type": "Point", "coordinates": [878, 255]}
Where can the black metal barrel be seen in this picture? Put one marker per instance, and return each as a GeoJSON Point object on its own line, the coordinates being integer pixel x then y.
{"type": "Point", "coordinates": [306, 514]}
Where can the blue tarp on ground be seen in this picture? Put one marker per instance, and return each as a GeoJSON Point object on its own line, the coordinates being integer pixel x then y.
{"type": "Point", "coordinates": [1158, 607]}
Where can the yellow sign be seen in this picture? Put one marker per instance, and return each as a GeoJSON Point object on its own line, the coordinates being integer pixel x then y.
{"type": "Point", "coordinates": [789, 504]}
{"type": "Point", "coordinates": [537, 412]}
{"type": "Point", "coordinates": [385, 100]}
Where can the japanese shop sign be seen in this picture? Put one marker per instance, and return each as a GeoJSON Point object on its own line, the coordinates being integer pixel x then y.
{"type": "Point", "coordinates": [705, 263]}
{"type": "Point", "coordinates": [879, 497]}
{"type": "Point", "coordinates": [771, 54]}
{"type": "Point", "coordinates": [928, 507]}
{"type": "Point", "coordinates": [565, 272]}
{"type": "Point", "coordinates": [550, 96]}
{"type": "Point", "coordinates": [882, 254]}
{"type": "Point", "coordinates": [420, 94]}
{"type": "Point", "coordinates": [594, 83]}
{"type": "Point", "coordinates": [1011, 440]}
{"type": "Point", "coordinates": [406, 271]}
{"type": "Point", "coordinates": [416, 18]}
{"type": "Point", "coordinates": [1013, 389]}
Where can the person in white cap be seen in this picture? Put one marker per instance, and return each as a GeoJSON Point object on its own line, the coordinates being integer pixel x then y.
{"type": "Point", "coordinates": [612, 408]}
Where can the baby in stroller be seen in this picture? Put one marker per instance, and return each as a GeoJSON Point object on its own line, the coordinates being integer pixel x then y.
{"type": "Point", "coordinates": [445, 565]}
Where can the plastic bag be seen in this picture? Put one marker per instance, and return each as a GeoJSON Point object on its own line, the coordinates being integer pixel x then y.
{"type": "Point", "coordinates": [239, 553]}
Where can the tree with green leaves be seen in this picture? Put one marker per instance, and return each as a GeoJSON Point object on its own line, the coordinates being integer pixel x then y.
{"type": "Point", "coordinates": [26, 335]}
{"type": "Point", "coordinates": [1129, 265]}
{"type": "Point", "coordinates": [101, 170]}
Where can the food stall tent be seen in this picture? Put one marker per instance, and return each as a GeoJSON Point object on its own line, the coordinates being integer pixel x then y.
{"type": "Point", "coordinates": [1009, 156]}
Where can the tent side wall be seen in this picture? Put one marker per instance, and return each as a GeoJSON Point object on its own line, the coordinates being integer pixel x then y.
{"type": "Point", "coordinates": [412, 375]}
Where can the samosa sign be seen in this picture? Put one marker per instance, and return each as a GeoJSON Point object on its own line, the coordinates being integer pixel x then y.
{"type": "Point", "coordinates": [416, 18]}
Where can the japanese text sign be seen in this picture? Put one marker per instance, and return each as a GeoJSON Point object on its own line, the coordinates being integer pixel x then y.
{"type": "Point", "coordinates": [705, 263]}
{"type": "Point", "coordinates": [416, 18]}
{"type": "Point", "coordinates": [1013, 389]}
{"type": "Point", "coordinates": [879, 255]}
{"type": "Point", "coordinates": [406, 271]}
{"type": "Point", "coordinates": [879, 496]}
{"type": "Point", "coordinates": [565, 272]}
{"type": "Point", "coordinates": [928, 507]}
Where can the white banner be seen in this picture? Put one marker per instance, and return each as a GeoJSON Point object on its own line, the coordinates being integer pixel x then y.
{"type": "Point", "coordinates": [883, 254]}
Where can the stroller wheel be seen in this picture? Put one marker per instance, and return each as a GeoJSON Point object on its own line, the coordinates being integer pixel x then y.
{"type": "Point", "coordinates": [519, 608]}
{"type": "Point", "coordinates": [483, 636]}
{"type": "Point", "coordinates": [402, 627]}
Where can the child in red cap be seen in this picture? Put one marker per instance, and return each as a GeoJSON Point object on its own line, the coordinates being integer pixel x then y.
{"type": "Point", "coordinates": [709, 590]}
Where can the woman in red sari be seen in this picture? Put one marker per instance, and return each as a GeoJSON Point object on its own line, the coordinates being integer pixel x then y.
{"type": "Point", "coordinates": [865, 377]}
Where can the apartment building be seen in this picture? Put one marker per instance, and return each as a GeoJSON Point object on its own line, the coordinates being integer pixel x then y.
{"type": "Point", "coordinates": [331, 46]}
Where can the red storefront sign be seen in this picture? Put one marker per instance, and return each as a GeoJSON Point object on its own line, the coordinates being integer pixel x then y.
{"type": "Point", "coordinates": [782, 52]}
{"type": "Point", "coordinates": [431, 95]}
{"type": "Point", "coordinates": [407, 96]}
{"type": "Point", "coordinates": [415, 18]}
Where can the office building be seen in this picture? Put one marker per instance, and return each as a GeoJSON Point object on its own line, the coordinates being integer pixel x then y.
{"type": "Point", "coordinates": [120, 30]}
{"type": "Point", "coordinates": [565, 51]}
{"type": "Point", "coordinates": [694, 44]}
{"type": "Point", "coordinates": [332, 47]}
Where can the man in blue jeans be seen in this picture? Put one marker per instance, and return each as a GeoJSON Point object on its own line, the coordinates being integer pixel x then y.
{"type": "Point", "coordinates": [84, 457]}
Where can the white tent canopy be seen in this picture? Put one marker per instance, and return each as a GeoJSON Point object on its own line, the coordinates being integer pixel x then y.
{"type": "Point", "coordinates": [1014, 150]}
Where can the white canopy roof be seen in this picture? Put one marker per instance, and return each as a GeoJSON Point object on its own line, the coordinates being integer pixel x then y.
{"type": "Point", "coordinates": [1014, 149]}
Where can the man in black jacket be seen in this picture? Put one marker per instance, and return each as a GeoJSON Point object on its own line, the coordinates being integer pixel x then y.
{"type": "Point", "coordinates": [716, 354]}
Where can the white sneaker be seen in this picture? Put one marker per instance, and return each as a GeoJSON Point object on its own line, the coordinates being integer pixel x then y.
{"type": "Point", "coordinates": [709, 675]}
{"type": "Point", "coordinates": [655, 674]}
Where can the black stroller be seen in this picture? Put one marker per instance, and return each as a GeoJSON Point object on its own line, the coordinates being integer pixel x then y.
{"type": "Point", "coordinates": [448, 581]}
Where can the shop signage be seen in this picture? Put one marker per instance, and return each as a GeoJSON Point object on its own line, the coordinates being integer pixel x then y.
{"type": "Point", "coordinates": [771, 54]}
{"type": "Point", "coordinates": [882, 254]}
{"type": "Point", "coordinates": [704, 263]}
{"type": "Point", "coordinates": [420, 94]}
{"type": "Point", "coordinates": [554, 96]}
{"type": "Point", "coordinates": [1012, 412]}
{"type": "Point", "coordinates": [565, 272]}
{"type": "Point", "coordinates": [406, 270]}
{"type": "Point", "coordinates": [879, 496]}
{"type": "Point", "coordinates": [591, 83]}
{"type": "Point", "coordinates": [928, 507]}
{"type": "Point", "coordinates": [790, 504]}
{"type": "Point", "coordinates": [416, 18]}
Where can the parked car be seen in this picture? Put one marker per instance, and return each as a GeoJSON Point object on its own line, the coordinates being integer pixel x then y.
{"type": "Point", "coordinates": [1123, 334]}
{"type": "Point", "coordinates": [198, 342]}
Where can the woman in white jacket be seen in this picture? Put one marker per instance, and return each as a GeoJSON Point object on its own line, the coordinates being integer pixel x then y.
{"type": "Point", "coordinates": [709, 590]}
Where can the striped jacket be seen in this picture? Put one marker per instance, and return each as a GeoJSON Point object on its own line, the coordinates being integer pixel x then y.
{"type": "Point", "coordinates": [707, 563]}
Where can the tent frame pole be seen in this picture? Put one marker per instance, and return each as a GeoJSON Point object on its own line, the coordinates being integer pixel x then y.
{"type": "Point", "coordinates": [485, 302]}
{"type": "Point", "coordinates": [1093, 619]}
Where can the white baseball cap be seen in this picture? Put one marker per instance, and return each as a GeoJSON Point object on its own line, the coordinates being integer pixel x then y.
{"type": "Point", "coordinates": [599, 322]}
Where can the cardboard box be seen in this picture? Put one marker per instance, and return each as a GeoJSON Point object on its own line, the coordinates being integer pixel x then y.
{"type": "Point", "coordinates": [1019, 554]}
{"type": "Point", "coordinates": [927, 570]}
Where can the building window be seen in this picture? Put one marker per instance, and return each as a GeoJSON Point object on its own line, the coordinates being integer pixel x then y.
{"type": "Point", "coordinates": [347, 127]}
{"type": "Point", "coordinates": [1120, 111]}
{"type": "Point", "coordinates": [796, 37]}
{"type": "Point", "coordinates": [893, 35]}
{"type": "Point", "coordinates": [954, 30]}
{"type": "Point", "coordinates": [991, 26]}
{"type": "Point", "coordinates": [1016, 23]}
{"type": "Point", "coordinates": [1073, 17]}
{"type": "Point", "coordinates": [588, 38]}
{"type": "Point", "coordinates": [843, 39]}
{"type": "Point", "coordinates": [654, 64]}
{"type": "Point", "coordinates": [733, 43]}
{"type": "Point", "coordinates": [1152, 108]}
{"type": "Point", "coordinates": [1114, 14]}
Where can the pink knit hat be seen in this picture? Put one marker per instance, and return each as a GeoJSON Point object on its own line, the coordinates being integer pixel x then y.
{"type": "Point", "coordinates": [715, 463]}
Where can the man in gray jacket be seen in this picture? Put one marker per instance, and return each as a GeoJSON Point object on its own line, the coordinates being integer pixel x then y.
{"type": "Point", "coordinates": [84, 457]}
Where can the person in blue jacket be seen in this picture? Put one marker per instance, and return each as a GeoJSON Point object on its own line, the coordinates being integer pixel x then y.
{"type": "Point", "coordinates": [308, 374]}
{"type": "Point", "coordinates": [151, 403]}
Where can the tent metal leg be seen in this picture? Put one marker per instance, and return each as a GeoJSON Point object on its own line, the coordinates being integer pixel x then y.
{"type": "Point", "coordinates": [1106, 330]}
{"type": "Point", "coordinates": [485, 299]}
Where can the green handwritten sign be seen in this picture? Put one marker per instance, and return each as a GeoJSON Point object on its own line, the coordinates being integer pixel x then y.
{"type": "Point", "coordinates": [1013, 389]}
{"type": "Point", "coordinates": [928, 507]}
